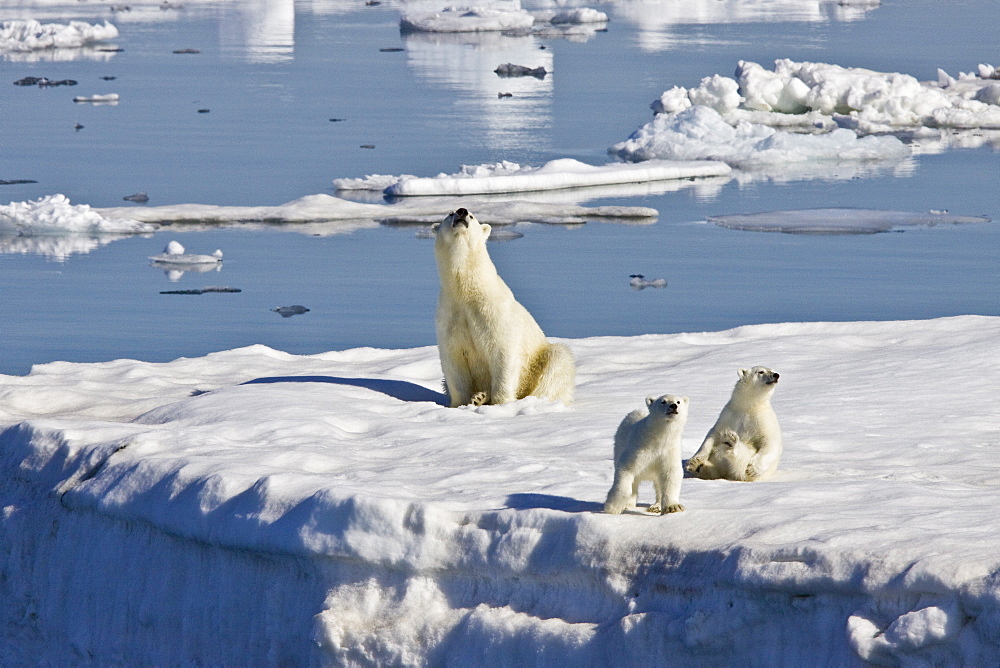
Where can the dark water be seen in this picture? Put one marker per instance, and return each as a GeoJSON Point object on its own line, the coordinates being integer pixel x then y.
{"type": "Point", "coordinates": [273, 74]}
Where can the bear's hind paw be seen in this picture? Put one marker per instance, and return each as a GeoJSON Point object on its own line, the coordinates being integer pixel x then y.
{"type": "Point", "coordinates": [694, 465]}
{"type": "Point", "coordinates": [654, 509]}
{"type": "Point", "coordinates": [672, 508]}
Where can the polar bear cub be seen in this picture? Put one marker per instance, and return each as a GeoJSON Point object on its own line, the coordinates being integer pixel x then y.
{"type": "Point", "coordinates": [648, 447]}
{"type": "Point", "coordinates": [745, 442]}
{"type": "Point", "coordinates": [492, 351]}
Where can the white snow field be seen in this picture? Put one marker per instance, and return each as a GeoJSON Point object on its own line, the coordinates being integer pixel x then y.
{"type": "Point", "coordinates": [257, 507]}
{"type": "Point", "coordinates": [510, 177]}
{"type": "Point", "coordinates": [804, 112]}
{"type": "Point", "coordinates": [31, 35]}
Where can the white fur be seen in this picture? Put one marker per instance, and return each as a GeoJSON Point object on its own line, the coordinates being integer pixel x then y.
{"type": "Point", "coordinates": [756, 450]}
{"type": "Point", "coordinates": [648, 447]}
{"type": "Point", "coordinates": [492, 351]}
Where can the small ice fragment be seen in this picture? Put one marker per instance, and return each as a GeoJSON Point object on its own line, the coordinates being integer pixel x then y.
{"type": "Point", "coordinates": [640, 282]}
{"type": "Point", "coordinates": [508, 70]}
{"type": "Point", "coordinates": [289, 311]}
{"type": "Point", "coordinates": [140, 197]}
{"type": "Point", "coordinates": [174, 248]}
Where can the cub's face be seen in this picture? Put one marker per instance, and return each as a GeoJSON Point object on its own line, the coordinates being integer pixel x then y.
{"type": "Point", "coordinates": [760, 376]}
{"type": "Point", "coordinates": [668, 406]}
{"type": "Point", "coordinates": [461, 227]}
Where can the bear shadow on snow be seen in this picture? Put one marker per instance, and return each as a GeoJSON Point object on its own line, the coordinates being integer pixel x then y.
{"type": "Point", "coordinates": [398, 389]}
{"type": "Point", "coordinates": [527, 501]}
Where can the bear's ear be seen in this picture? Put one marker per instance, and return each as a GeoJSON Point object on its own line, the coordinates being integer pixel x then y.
{"type": "Point", "coordinates": [650, 400]}
{"type": "Point", "coordinates": [434, 227]}
{"type": "Point", "coordinates": [486, 230]}
{"type": "Point", "coordinates": [685, 399]}
{"type": "Point", "coordinates": [744, 372]}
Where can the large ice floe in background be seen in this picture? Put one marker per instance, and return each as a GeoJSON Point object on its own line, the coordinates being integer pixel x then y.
{"type": "Point", "coordinates": [253, 506]}
{"type": "Point", "coordinates": [802, 112]}
{"type": "Point", "coordinates": [30, 35]}
{"type": "Point", "coordinates": [510, 177]}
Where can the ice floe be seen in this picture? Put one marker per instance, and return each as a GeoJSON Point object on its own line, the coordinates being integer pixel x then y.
{"type": "Point", "coordinates": [702, 133]}
{"type": "Point", "coordinates": [510, 177]}
{"type": "Point", "coordinates": [839, 221]}
{"type": "Point", "coordinates": [53, 214]}
{"type": "Point", "coordinates": [174, 254]}
{"type": "Point", "coordinates": [804, 111]}
{"type": "Point", "coordinates": [30, 35]}
{"type": "Point", "coordinates": [467, 19]}
{"type": "Point", "coordinates": [328, 509]}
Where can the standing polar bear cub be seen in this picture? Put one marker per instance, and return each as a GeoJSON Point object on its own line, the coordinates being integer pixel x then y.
{"type": "Point", "coordinates": [492, 351]}
{"type": "Point", "coordinates": [648, 447]}
{"type": "Point", "coordinates": [745, 443]}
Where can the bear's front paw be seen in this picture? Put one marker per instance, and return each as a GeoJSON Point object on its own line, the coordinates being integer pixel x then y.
{"type": "Point", "coordinates": [694, 465]}
{"type": "Point", "coordinates": [672, 508]}
{"type": "Point", "coordinates": [751, 473]}
{"type": "Point", "coordinates": [478, 399]}
{"type": "Point", "coordinates": [612, 508]}
{"type": "Point", "coordinates": [655, 509]}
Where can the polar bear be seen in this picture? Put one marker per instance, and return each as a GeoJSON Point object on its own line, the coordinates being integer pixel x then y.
{"type": "Point", "coordinates": [648, 447]}
{"type": "Point", "coordinates": [492, 351]}
{"type": "Point", "coordinates": [745, 442]}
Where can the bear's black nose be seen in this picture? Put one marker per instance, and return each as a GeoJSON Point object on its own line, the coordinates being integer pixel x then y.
{"type": "Point", "coordinates": [461, 213]}
{"type": "Point", "coordinates": [776, 376]}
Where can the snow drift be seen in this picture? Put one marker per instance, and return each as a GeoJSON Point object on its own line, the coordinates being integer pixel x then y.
{"type": "Point", "coordinates": [256, 506]}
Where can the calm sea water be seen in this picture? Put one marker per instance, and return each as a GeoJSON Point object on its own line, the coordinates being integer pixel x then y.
{"type": "Point", "coordinates": [273, 74]}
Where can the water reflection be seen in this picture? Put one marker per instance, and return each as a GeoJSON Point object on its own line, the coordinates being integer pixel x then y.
{"type": "Point", "coordinates": [262, 31]}
{"type": "Point", "coordinates": [466, 62]}
{"type": "Point", "coordinates": [55, 248]}
{"type": "Point", "coordinates": [656, 18]}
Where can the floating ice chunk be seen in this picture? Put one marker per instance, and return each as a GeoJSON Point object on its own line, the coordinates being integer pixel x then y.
{"type": "Point", "coordinates": [838, 221]}
{"type": "Point", "coordinates": [701, 133]}
{"type": "Point", "coordinates": [577, 16]}
{"type": "Point", "coordinates": [640, 282]}
{"type": "Point", "coordinates": [53, 214]}
{"type": "Point", "coordinates": [717, 92]}
{"type": "Point", "coordinates": [174, 254]}
{"type": "Point", "coordinates": [467, 19]}
{"type": "Point", "coordinates": [110, 98]}
{"type": "Point", "coordinates": [289, 311]}
{"type": "Point", "coordinates": [19, 35]}
{"type": "Point", "coordinates": [553, 175]}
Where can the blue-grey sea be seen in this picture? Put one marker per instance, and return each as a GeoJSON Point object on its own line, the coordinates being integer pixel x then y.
{"type": "Point", "coordinates": [273, 73]}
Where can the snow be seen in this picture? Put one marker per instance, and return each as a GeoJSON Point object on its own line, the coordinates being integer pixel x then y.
{"type": "Point", "coordinates": [510, 177]}
{"type": "Point", "coordinates": [802, 112]}
{"type": "Point", "coordinates": [839, 221]}
{"type": "Point", "coordinates": [253, 505]}
{"type": "Point", "coordinates": [31, 35]}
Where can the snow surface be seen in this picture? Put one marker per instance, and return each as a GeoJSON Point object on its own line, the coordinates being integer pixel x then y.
{"type": "Point", "coordinates": [510, 177]}
{"type": "Point", "coordinates": [253, 506]}
{"type": "Point", "coordinates": [839, 221]}
{"type": "Point", "coordinates": [802, 112]}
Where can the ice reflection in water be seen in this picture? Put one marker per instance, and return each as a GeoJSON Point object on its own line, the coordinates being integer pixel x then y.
{"type": "Point", "coordinates": [466, 62]}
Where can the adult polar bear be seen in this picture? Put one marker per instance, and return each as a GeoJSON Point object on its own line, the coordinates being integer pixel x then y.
{"type": "Point", "coordinates": [492, 350]}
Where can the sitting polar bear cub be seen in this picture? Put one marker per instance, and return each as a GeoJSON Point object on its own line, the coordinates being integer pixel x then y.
{"type": "Point", "coordinates": [492, 351]}
{"type": "Point", "coordinates": [648, 447]}
{"type": "Point", "coordinates": [745, 443]}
